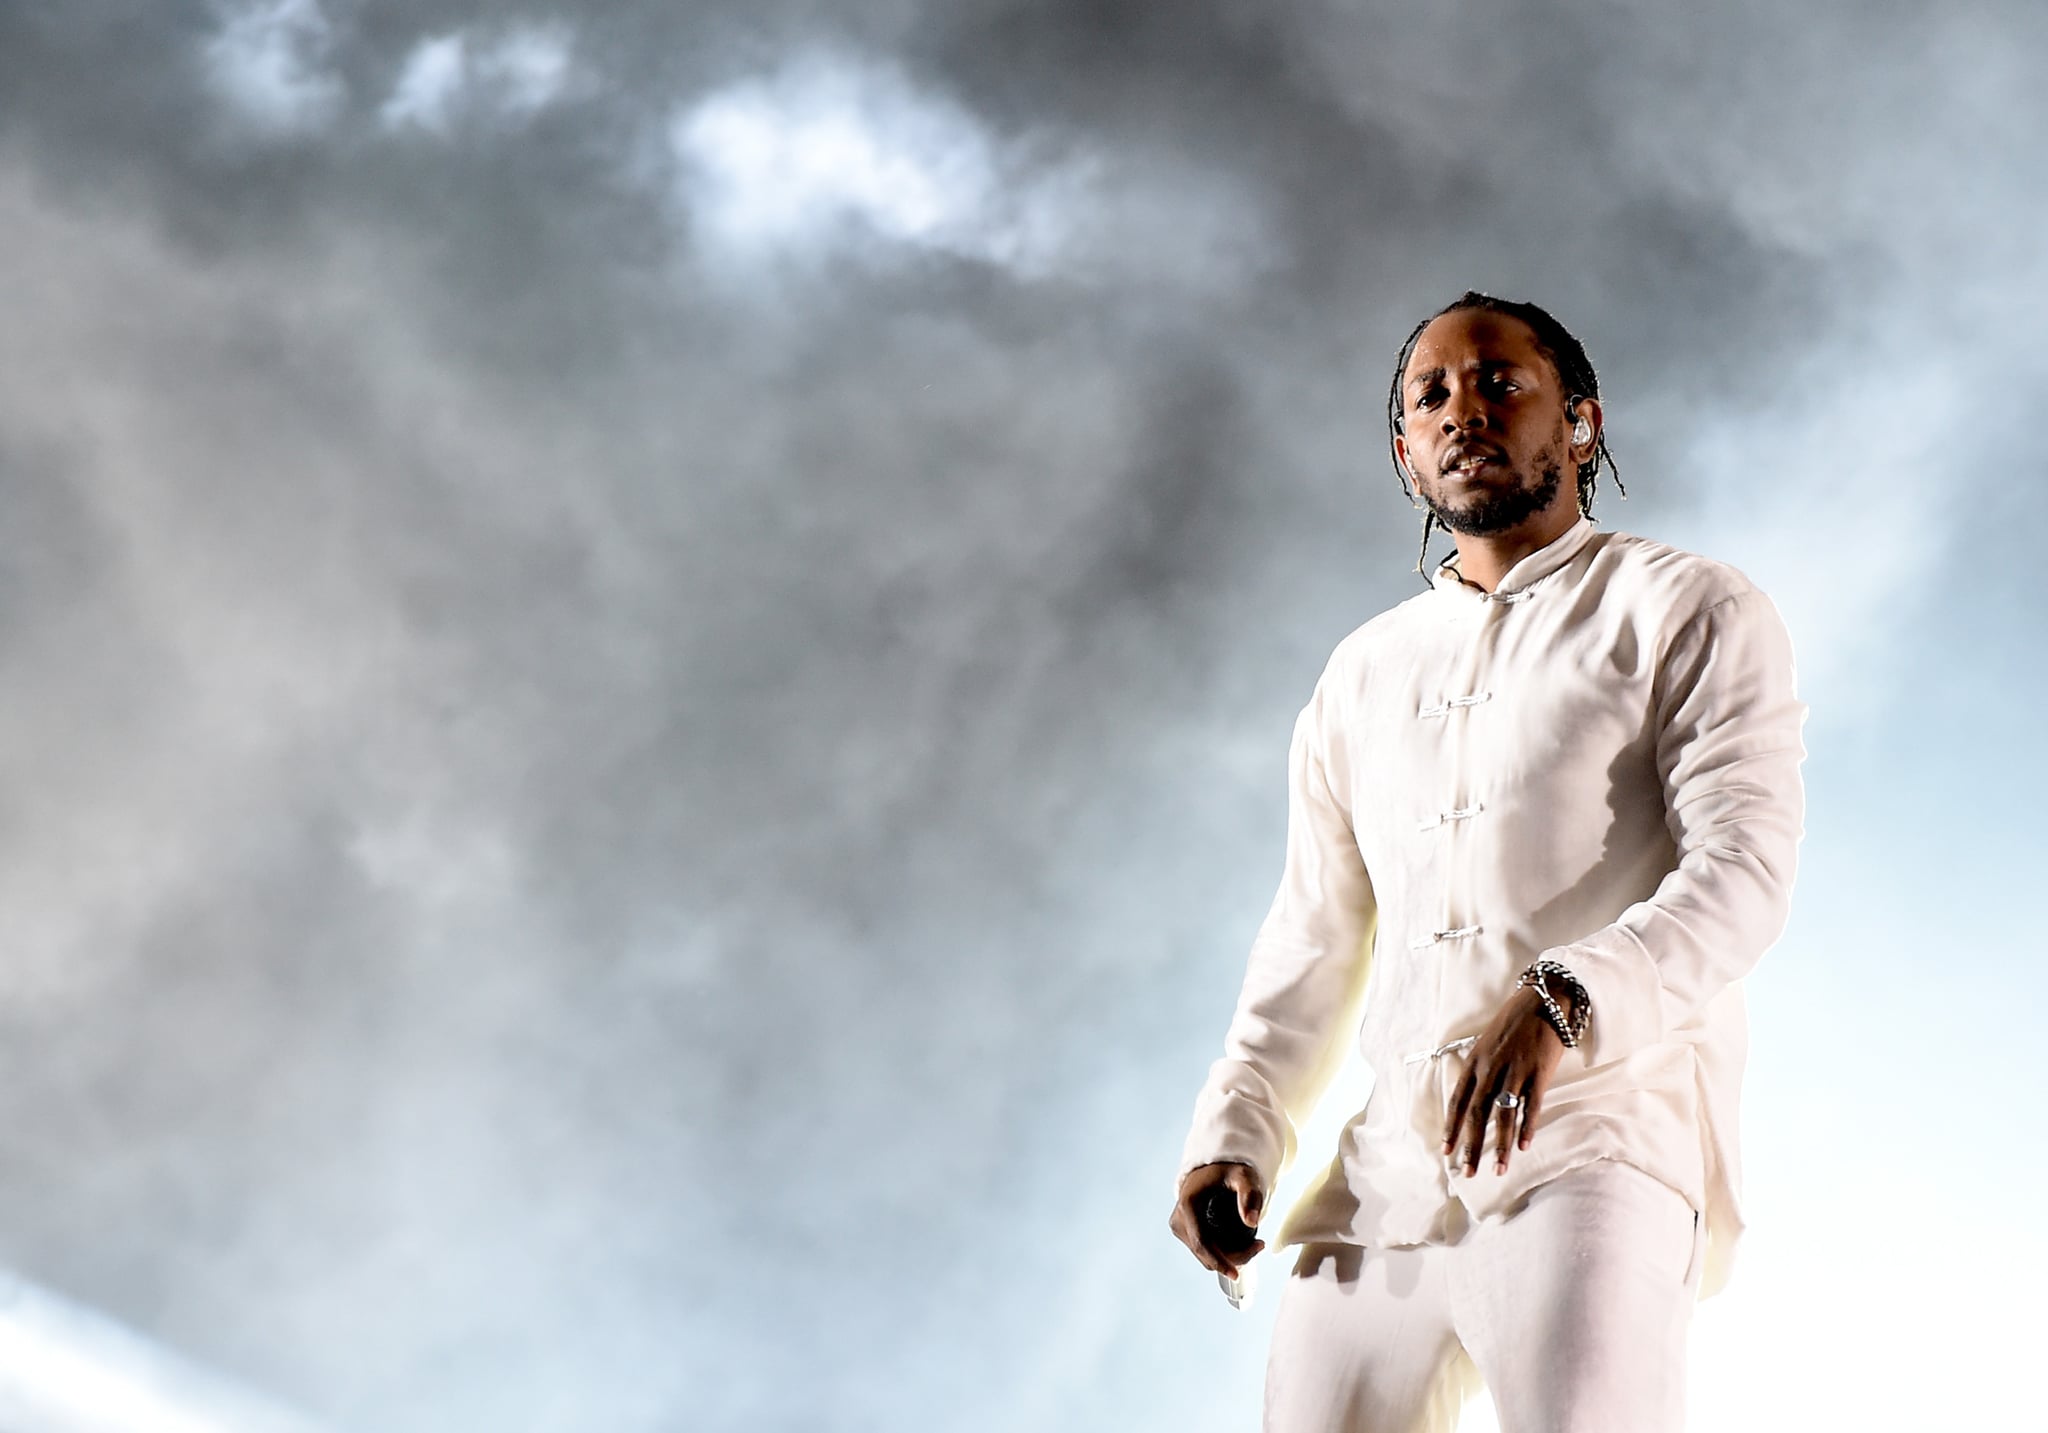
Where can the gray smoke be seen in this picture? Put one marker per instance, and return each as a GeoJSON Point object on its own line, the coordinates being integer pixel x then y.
{"type": "Point", "coordinates": [650, 647]}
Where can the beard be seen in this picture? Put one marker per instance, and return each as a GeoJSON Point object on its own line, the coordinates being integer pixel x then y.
{"type": "Point", "coordinates": [1492, 510]}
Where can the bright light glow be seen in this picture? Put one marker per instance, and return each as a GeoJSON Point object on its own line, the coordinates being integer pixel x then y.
{"type": "Point", "coordinates": [269, 62]}
{"type": "Point", "coordinates": [1901, 525]}
{"type": "Point", "coordinates": [833, 150]}
{"type": "Point", "coordinates": [820, 146]}
{"type": "Point", "coordinates": [64, 1369]}
{"type": "Point", "coordinates": [509, 78]}
{"type": "Point", "coordinates": [427, 87]}
{"type": "Point", "coordinates": [527, 68]}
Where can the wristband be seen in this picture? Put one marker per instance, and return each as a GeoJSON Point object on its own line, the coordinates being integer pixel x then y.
{"type": "Point", "coordinates": [1538, 977]}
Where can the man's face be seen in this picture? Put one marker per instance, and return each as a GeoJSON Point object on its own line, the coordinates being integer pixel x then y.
{"type": "Point", "coordinates": [1486, 438]}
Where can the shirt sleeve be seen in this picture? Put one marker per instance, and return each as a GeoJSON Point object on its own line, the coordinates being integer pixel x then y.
{"type": "Point", "coordinates": [1305, 980]}
{"type": "Point", "coordinates": [1728, 752]}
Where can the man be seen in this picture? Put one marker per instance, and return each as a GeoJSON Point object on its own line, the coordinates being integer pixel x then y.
{"type": "Point", "coordinates": [1542, 820]}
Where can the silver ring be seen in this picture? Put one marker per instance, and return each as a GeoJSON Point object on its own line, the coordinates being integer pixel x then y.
{"type": "Point", "coordinates": [1507, 1099]}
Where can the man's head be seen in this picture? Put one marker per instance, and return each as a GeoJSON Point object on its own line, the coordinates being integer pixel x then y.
{"type": "Point", "coordinates": [1491, 403]}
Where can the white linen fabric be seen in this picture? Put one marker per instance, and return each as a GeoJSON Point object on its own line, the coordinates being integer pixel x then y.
{"type": "Point", "coordinates": [1573, 1312]}
{"type": "Point", "coordinates": [1597, 763]}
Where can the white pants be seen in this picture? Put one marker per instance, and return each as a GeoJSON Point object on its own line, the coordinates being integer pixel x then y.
{"type": "Point", "coordinates": [1574, 1309]}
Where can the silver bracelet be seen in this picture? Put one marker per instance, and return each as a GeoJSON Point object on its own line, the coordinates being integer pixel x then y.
{"type": "Point", "coordinates": [1538, 977]}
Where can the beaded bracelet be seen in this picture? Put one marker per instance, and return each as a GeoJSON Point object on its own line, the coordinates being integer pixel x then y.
{"type": "Point", "coordinates": [1537, 978]}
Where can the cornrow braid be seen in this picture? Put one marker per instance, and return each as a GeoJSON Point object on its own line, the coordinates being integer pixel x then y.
{"type": "Point", "coordinates": [1574, 373]}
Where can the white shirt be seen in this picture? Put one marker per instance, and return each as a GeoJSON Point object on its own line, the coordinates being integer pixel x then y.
{"type": "Point", "coordinates": [1596, 763]}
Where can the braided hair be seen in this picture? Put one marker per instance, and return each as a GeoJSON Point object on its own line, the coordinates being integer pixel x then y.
{"type": "Point", "coordinates": [1574, 372]}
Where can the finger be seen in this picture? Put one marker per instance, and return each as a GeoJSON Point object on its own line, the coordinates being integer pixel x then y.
{"type": "Point", "coordinates": [1194, 1232]}
{"type": "Point", "coordinates": [1459, 1101]}
{"type": "Point", "coordinates": [1475, 1122]}
{"type": "Point", "coordinates": [1508, 1121]}
{"type": "Point", "coordinates": [1227, 1265]}
{"type": "Point", "coordinates": [1188, 1229]}
{"type": "Point", "coordinates": [1197, 1182]}
{"type": "Point", "coordinates": [1234, 1263]}
{"type": "Point", "coordinates": [1250, 1199]}
{"type": "Point", "coordinates": [1531, 1102]}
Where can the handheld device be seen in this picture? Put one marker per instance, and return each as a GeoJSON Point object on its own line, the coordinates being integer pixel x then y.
{"type": "Point", "coordinates": [1225, 1232]}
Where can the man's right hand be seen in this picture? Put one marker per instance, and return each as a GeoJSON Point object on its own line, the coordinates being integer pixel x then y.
{"type": "Point", "coordinates": [1251, 1201]}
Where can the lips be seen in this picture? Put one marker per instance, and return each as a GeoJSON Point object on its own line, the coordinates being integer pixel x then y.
{"type": "Point", "coordinates": [1469, 457]}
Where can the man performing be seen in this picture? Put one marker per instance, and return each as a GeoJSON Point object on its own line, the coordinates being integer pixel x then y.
{"type": "Point", "coordinates": [1542, 819]}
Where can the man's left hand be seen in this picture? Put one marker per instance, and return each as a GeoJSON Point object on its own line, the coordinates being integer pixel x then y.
{"type": "Point", "coordinates": [1518, 1052]}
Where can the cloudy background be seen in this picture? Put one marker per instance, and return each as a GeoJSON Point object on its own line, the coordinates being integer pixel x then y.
{"type": "Point", "coordinates": [647, 654]}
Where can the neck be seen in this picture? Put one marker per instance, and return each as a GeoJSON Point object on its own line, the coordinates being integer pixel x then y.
{"type": "Point", "coordinates": [1484, 560]}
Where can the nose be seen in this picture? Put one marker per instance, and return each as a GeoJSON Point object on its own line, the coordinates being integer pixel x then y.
{"type": "Point", "coordinates": [1463, 410]}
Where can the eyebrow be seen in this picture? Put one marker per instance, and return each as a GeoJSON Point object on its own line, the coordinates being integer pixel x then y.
{"type": "Point", "coordinates": [1485, 365]}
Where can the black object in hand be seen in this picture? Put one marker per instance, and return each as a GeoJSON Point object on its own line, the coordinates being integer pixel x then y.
{"type": "Point", "coordinates": [1217, 1218]}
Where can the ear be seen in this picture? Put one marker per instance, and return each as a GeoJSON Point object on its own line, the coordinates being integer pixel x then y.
{"type": "Point", "coordinates": [1586, 411]}
{"type": "Point", "coordinates": [1401, 456]}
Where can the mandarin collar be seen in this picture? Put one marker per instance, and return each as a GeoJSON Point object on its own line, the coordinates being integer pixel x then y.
{"type": "Point", "coordinates": [1526, 572]}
